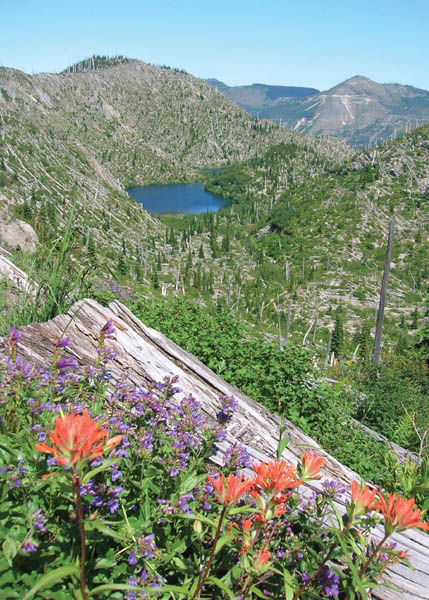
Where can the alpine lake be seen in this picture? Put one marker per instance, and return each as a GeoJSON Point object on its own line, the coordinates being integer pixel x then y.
{"type": "Point", "coordinates": [177, 199]}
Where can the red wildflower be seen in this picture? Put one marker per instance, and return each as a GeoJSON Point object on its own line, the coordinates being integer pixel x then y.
{"type": "Point", "coordinates": [275, 475]}
{"type": "Point", "coordinates": [77, 438]}
{"type": "Point", "coordinates": [363, 499]}
{"type": "Point", "coordinates": [399, 514]}
{"type": "Point", "coordinates": [311, 465]}
{"type": "Point", "coordinates": [246, 525]}
{"type": "Point", "coordinates": [231, 488]}
{"type": "Point", "coordinates": [263, 557]}
{"type": "Point", "coordinates": [259, 518]}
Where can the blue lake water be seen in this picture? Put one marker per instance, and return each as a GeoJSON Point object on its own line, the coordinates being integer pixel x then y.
{"type": "Point", "coordinates": [182, 198]}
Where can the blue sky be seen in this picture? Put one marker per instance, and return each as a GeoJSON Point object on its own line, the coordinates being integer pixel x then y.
{"type": "Point", "coordinates": [307, 43]}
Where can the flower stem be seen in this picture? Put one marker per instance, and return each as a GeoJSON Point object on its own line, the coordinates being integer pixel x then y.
{"type": "Point", "coordinates": [82, 538]}
{"type": "Point", "coordinates": [212, 553]}
{"type": "Point", "coordinates": [371, 557]}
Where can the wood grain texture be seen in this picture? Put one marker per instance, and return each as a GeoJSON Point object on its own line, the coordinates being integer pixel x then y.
{"type": "Point", "coordinates": [144, 353]}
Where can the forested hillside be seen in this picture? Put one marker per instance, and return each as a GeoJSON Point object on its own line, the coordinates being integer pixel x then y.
{"type": "Point", "coordinates": [320, 231]}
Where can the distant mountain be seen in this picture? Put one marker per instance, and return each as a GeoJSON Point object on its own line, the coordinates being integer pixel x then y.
{"type": "Point", "coordinates": [358, 111]}
{"type": "Point", "coordinates": [260, 95]}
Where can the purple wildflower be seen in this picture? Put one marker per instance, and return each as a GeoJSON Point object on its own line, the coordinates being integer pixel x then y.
{"type": "Point", "coordinates": [108, 329]}
{"type": "Point", "coordinates": [329, 581]}
{"type": "Point", "coordinates": [29, 547]}
{"type": "Point", "coordinates": [132, 558]}
{"type": "Point", "coordinates": [67, 361]}
{"type": "Point", "coordinates": [228, 405]}
{"type": "Point", "coordinates": [116, 491]}
{"type": "Point", "coordinates": [12, 340]}
{"type": "Point", "coordinates": [112, 505]}
{"type": "Point", "coordinates": [332, 488]}
{"type": "Point", "coordinates": [115, 475]}
{"type": "Point", "coordinates": [237, 457]}
{"type": "Point", "coordinates": [39, 520]}
{"type": "Point", "coordinates": [147, 546]}
{"type": "Point", "coordinates": [63, 342]}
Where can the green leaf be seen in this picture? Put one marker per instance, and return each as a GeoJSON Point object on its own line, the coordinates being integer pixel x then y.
{"type": "Point", "coordinates": [288, 585]}
{"type": "Point", "coordinates": [222, 541]}
{"type": "Point", "coordinates": [92, 524]}
{"type": "Point", "coordinates": [106, 464]}
{"type": "Point", "coordinates": [242, 510]}
{"type": "Point", "coordinates": [220, 584]}
{"type": "Point", "coordinates": [356, 579]}
{"type": "Point", "coordinates": [258, 592]}
{"type": "Point", "coordinates": [50, 579]}
{"type": "Point", "coordinates": [146, 507]}
{"type": "Point", "coordinates": [197, 516]}
{"type": "Point", "coordinates": [10, 549]}
{"type": "Point", "coordinates": [190, 482]}
{"type": "Point", "coordinates": [283, 442]}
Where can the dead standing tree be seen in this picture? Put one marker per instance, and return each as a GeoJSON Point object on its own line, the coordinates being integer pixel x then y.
{"type": "Point", "coordinates": [383, 291]}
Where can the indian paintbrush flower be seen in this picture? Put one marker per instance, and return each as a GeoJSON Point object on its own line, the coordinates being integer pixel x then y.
{"type": "Point", "coordinates": [230, 489]}
{"type": "Point", "coordinates": [277, 475]}
{"type": "Point", "coordinates": [77, 439]}
{"type": "Point", "coordinates": [363, 500]}
{"type": "Point", "coordinates": [311, 465]}
{"type": "Point", "coordinates": [399, 514]}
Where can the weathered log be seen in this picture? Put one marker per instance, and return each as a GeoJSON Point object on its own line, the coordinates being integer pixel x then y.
{"type": "Point", "coordinates": [144, 353]}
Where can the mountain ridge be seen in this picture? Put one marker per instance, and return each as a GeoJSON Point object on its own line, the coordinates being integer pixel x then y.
{"type": "Point", "coordinates": [358, 111]}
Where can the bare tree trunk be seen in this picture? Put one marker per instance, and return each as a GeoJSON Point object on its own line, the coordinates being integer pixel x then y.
{"type": "Point", "coordinates": [304, 341]}
{"type": "Point", "coordinates": [178, 278]}
{"type": "Point", "coordinates": [315, 325]}
{"type": "Point", "coordinates": [383, 291]}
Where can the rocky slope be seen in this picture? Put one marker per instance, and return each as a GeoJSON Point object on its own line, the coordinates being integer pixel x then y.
{"type": "Point", "coordinates": [358, 111]}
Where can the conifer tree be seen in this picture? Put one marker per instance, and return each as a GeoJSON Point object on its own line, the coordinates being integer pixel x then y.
{"type": "Point", "coordinates": [338, 334]}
